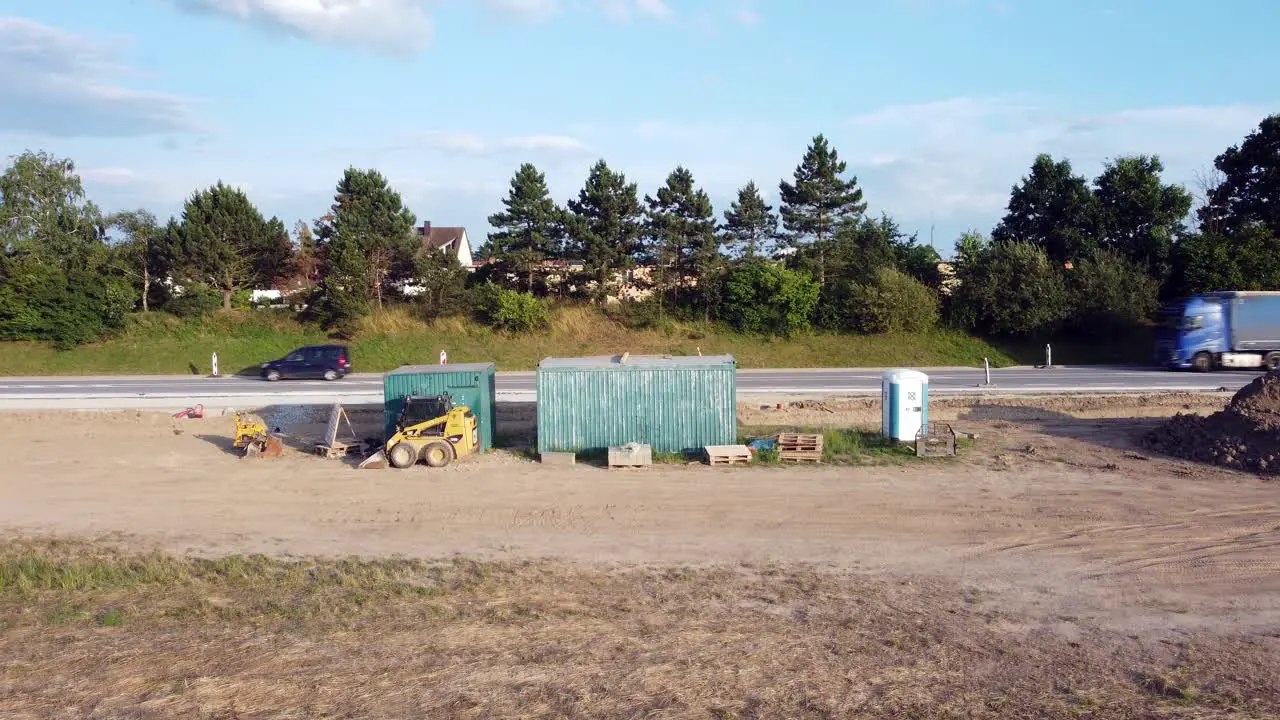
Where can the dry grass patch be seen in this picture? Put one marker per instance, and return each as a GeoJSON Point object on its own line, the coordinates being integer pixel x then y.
{"type": "Point", "coordinates": [86, 630]}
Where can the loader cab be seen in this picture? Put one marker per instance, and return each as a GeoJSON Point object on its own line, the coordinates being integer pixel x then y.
{"type": "Point", "coordinates": [420, 409]}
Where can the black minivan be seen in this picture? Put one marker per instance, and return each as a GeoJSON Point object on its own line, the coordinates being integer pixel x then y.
{"type": "Point", "coordinates": [320, 362]}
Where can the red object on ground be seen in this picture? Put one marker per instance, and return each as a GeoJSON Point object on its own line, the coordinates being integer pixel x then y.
{"type": "Point", "coordinates": [191, 412]}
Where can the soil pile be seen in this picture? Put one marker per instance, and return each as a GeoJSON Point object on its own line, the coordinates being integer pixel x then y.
{"type": "Point", "coordinates": [1245, 436]}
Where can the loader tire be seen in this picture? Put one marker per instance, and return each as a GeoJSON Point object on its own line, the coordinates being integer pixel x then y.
{"type": "Point", "coordinates": [402, 456]}
{"type": "Point", "coordinates": [437, 454]}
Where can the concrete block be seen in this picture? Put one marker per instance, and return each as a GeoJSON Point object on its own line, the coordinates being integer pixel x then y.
{"type": "Point", "coordinates": [558, 458]}
{"type": "Point", "coordinates": [631, 455]}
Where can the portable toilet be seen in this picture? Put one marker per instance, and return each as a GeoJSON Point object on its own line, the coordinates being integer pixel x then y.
{"type": "Point", "coordinates": [904, 397]}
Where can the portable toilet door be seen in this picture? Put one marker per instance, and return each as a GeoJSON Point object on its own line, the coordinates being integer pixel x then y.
{"type": "Point", "coordinates": [904, 397]}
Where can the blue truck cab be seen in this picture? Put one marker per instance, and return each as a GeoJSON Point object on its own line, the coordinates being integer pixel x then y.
{"type": "Point", "coordinates": [1221, 330]}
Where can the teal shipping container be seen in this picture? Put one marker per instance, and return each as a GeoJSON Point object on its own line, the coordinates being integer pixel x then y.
{"type": "Point", "coordinates": [674, 404]}
{"type": "Point", "coordinates": [470, 384]}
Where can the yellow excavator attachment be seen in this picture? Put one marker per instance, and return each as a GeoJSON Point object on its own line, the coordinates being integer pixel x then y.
{"type": "Point", "coordinates": [252, 437]}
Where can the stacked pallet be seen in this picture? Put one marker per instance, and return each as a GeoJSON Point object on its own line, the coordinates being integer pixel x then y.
{"type": "Point", "coordinates": [800, 447]}
{"type": "Point", "coordinates": [728, 455]}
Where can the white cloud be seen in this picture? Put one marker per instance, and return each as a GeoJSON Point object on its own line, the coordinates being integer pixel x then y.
{"type": "Point", "coordinates": [747, 16]}
{"type": "Point", "coordinates": [528, 10]}
{"type": "Point", "coordinates": [546, 146]}
{"type": "Point", "coordinates": [957, 159]}
{"type": "Point", "coordinates": [626, 10]}
{"type": "Point", "coordinates": [656, 9]}
{"type": "Point", "coordinates": [392, 27]}
{"type": "Point", "coordinates": [60, 84]}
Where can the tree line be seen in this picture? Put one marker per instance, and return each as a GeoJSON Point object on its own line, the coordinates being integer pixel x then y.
{"type": "Point", "coordinates": [1070, 254]}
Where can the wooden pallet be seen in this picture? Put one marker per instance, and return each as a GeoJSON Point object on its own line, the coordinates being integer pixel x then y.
{"type": "Point", "coordinates": [800, 447]}
{"type": "Point", "coordinates": [800, 456]}
{"type": "Point", "coordinates": [338, 449]}
{"type": "Point", "coordinates": [799, 442]}
{"type": "Point", "coordinates": [728, 454]}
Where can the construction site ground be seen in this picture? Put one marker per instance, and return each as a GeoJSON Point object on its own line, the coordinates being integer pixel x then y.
{"type": "Point", "coordinates": [1056, 564]}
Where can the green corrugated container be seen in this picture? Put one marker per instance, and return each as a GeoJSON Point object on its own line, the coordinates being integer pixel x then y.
{"type": "Point", "coordinates": [470, 384]}
{"type": "Point", "coordinates": [675, 404]}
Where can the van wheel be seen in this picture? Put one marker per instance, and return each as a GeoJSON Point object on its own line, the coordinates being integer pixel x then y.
{"type": "Point", "coordinates": [330, 375]}
{"type": "Point", "coordinates": [1202, 362]}
{"type": "Point", "coordinates": [1272, 361]}
{"type": "Point", "coordinates": [273, 375]}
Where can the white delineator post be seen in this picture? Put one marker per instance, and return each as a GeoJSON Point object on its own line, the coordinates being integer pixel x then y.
{"type": "Point", "coordinates": [444, 358]}
{"type": "Point", "coordinates": [213, 362]}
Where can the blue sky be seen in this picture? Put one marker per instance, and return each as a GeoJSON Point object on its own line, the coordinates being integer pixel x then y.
{"type": "Point", "coordinates": [938, 105]}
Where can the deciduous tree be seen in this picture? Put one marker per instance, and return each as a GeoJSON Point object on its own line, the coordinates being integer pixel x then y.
{"type": "Point", "coordinates": [1249, 191]}
{"type": "Point", "coordinates": [763, 297]}
{"type": "Point", "coordinates": [56, 282]}
{"type": "Point", "coordinates": [1139, 216]}
{"type": "Point", "coordinates": [1052, 208]}
{"type": "Point", "coordinates": [143, 253]}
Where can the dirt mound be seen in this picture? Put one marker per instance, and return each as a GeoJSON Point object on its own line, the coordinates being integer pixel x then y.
{"type": "Point", "coordinates": [1245, 436]}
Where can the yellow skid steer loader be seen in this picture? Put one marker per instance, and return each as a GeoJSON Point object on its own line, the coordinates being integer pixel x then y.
{"type": "Point", "coordinates": [430, 429]}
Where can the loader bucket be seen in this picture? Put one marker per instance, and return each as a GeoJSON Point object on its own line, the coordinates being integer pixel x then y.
{"type": "Point", "coordinates": [376, 461]}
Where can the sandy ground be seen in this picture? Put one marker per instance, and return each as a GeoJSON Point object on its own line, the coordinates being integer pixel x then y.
{"type": "Point", "coordinates": [1062, 516]}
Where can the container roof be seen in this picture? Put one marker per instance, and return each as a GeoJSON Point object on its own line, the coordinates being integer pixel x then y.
{"type": "Point", "coordinates": [641, 361]}
{"type": "Point", "coordinates": [426, 369]}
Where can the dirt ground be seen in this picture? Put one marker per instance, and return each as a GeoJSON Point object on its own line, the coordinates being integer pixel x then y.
{"type": "Point", "coordinates": [1058, 514]}
{"type": "Point", "coordinates": [1055, 570]}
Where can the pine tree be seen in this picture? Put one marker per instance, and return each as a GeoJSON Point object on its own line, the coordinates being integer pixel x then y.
{"type": "Point", "coordinates": [681, 230]}
{"type": "Point", "coordinates": [750, 225]}
{"type": "Point", "coordinates": [819, 200]}
{"type": "Point", "coordinates": [224, 241]}
{"type": "Point", "coordinates": [529, 231]}
{"type": "Point", "coordinates": [367, 239]}
{"type": "Point", "coordinates": [306, 260]}
{"type": "Point", "coordinates": [605, 225]}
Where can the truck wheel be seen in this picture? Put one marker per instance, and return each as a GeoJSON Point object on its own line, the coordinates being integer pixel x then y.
{"type": "Point", "coordinates": [1202, 362]}
{"type": "Point", "coordinates": [402, 456]}
{"type": "Point", "coordinates": [437, 454]}
{"type": "Point", "coordinates": [1272, 361]}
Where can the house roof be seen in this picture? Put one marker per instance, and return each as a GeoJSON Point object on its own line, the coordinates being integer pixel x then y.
{"type": "Point", "coordinates": [438, 237]}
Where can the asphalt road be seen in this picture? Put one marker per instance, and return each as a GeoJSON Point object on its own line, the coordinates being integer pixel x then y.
{"type": "Point", "coordinates": [182, 391]}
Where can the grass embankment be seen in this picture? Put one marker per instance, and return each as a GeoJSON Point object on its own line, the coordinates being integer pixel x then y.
{"type": "Point", "coordinates": [161, 344]}
{"type": "Point", "coordinates": [90, 631]}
